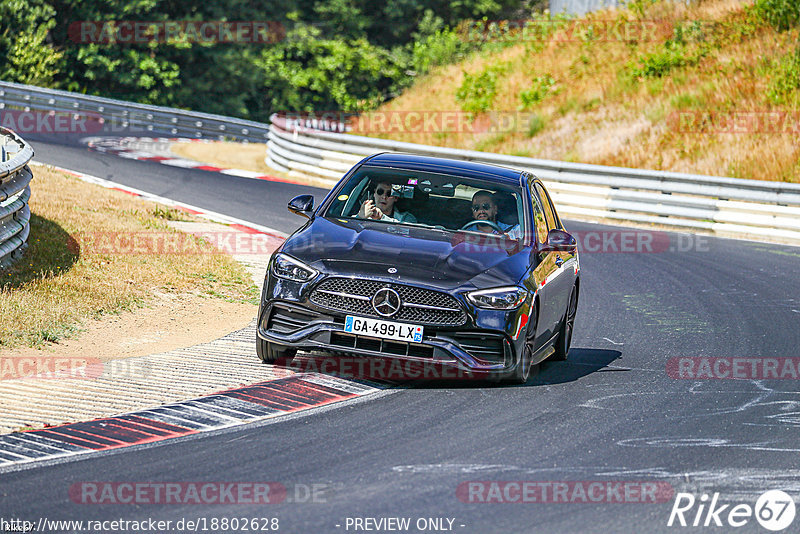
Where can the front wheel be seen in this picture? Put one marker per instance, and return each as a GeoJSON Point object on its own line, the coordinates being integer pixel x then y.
{"type": "Point", "coordinates": [272, 352]}
{"type": "Point", "coordinates": [565, 336]}
{"type": "Point", "coordinates": [523, 370]}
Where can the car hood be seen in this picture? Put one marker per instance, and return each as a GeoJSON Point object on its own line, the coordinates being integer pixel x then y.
{"type": "Point", "coordinates": [433, 257]}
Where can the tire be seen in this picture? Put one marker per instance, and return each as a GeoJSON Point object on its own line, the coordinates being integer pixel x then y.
{"type": "Point", "coordinates": [522, 371]}
{"type": "Point", "coordinates": [273, 353]}
{"type": "Point", "coordinates": [567, 326]}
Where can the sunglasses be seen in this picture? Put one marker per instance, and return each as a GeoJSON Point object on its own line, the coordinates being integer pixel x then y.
{"type": "Point", "coordinates": [485, 207]}
{"type": "Point", "coordinates": [381, 192]}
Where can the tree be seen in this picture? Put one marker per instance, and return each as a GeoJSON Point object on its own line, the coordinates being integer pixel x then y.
{"type": "Point", "coordinates": [29, 57]}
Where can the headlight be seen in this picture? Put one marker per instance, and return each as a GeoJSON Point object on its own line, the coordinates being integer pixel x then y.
{"type": "Point", "coordinates": [291, 269]}
{"type": "Point", "coordinates": [499, 298]}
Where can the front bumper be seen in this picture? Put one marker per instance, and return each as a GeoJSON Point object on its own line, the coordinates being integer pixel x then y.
{"type": "Point", "coordinates": [464, 352]}
{"type": "Point", "coordinates": [484, 345]}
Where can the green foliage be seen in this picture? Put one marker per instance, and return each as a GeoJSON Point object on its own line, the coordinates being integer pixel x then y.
{"type": "Point", "coordinates": [308, 72]}
{"type": "Point", "coordinates": [435, 45]}
{"type": "Point", "coordinates": [540, 88]}
{"type": "Point", "coordinates": [786, 82]}
{"type": "Point", "coordinates": [127, 73]}
{"type": "Point", "coordinates": [476, 93]}
{"type": "Point", "coordinates": [782, 14]}
{"type": "Point", "coordinates": [397, 21]}
{"type": "Point", "coordinates": [170, 214]}
{"type": "Point", "coordinates": [29, 58]}
{"type": "Point", "coordinates": [687, 47]}
{"type": "Point", "coordinates": [639, 7]}
{"type": "Point", "coordinates": [344, 18]}
{"type": "Point", "coordinates": [346, 55]}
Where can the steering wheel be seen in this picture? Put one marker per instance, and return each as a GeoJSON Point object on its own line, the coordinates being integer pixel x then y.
{"type": "Point", "coordinates": [477, 222]}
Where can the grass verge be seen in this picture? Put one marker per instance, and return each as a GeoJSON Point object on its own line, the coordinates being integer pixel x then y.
{"type": "Point", "coordinates": [56, 286]}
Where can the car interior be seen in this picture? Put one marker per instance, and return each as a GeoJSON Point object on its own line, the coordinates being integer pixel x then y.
{"type": "Point", "coordinates": [441, 202]}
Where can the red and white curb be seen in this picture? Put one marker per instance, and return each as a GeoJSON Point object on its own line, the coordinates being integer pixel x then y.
{"type": "Point", "coordinates": [230, 408]}
{"type": "Point", "coordinates": [120, 146]}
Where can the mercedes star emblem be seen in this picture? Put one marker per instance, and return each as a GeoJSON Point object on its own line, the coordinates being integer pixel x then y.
{"type": "Point", "coordinates": [386, 302]}
{"type": "Point", "coordinates": [392, 270]}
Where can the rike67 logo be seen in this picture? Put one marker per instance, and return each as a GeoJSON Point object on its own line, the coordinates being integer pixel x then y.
{"type": "Point", "coordinates": [774, 510]}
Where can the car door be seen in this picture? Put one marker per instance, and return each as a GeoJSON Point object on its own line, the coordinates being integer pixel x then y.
{"type": "Point", "coordinates": [563, 276]}
{"type": "Point", "coordinates": [544, 271]}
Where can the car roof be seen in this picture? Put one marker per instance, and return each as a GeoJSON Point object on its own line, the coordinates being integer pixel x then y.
{"type": "Point", "coordinates": [467, 169]}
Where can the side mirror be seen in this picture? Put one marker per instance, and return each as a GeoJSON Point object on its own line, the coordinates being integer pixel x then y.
{"type": "Point", "coordinates": [560, 241]}
{"type": "Point", "coordinates": [302, 205]}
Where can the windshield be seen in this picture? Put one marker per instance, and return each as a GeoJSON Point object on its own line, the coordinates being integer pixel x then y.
{"type": "Point", "coordinates": [433, 200]}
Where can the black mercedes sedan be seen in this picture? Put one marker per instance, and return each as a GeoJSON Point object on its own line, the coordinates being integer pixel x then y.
{"type": "Point", "coordinates": [419, 259]}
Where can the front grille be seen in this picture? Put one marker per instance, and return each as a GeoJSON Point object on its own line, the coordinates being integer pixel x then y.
{"type": "Point", "coordinates": [489, 348]}
{"type": "Point", "coordinates": [285, 320]}
{"type": "Point", "coordinates": [420, 306]}
{"type": "Point", "coordinates": [384, 346]}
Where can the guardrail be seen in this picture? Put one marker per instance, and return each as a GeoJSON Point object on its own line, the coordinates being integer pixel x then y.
{"type": "Point", "coordinates": [731, 207]}
{"type": "Point", "coordinates": [117, 117]}
{"type": "Point", "coordinates": [15, 191]}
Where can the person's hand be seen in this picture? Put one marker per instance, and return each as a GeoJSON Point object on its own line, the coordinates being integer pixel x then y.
{"type": "Point", "coordinates": [365, 211]}
{"type": "Point", "coordinates": [369, 210]}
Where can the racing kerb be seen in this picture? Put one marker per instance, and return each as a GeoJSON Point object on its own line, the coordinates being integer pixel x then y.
{"type": "Point", "coordinates": [15, 191]}
{"type": "Point", "coordinates": [730, 207]}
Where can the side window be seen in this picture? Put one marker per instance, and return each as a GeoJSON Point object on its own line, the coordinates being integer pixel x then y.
{"type": "Point", "coordinates": [539, 223]}
{"type": "Point", "coordinates": [549, 200]}
{"type": "Point", "coordinates": [548, 210]}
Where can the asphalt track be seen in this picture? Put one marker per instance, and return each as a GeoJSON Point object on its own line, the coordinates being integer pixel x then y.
{"type": "Point", "coordinates": [611, 413]}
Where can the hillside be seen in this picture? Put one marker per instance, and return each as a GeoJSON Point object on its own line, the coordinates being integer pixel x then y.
{"type": "Point", "coordinates": [709, 87]}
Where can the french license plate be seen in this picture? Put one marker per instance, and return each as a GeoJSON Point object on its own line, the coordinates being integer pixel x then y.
{"type": "Point", "coordinates": [383, 329]}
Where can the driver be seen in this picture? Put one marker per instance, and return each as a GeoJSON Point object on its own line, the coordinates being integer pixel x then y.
{"type": "Point", "coordinates": [484, 208]}
{"type": "Point", "coordinates": [381, 206]}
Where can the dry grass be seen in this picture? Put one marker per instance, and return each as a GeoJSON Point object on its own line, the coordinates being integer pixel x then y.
{"type": "Point", "coordinates": [598, 111]}
{"type": "Point", "coordinates": [249, 156]}
{"type": "Point", "coordinates": [56, 286]}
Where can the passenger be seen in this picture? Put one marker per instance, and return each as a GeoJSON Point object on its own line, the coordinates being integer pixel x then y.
{"type": "Point", "coordinates": [381, 206]}
{"type": "Point", "coordinates": [484, 208]}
